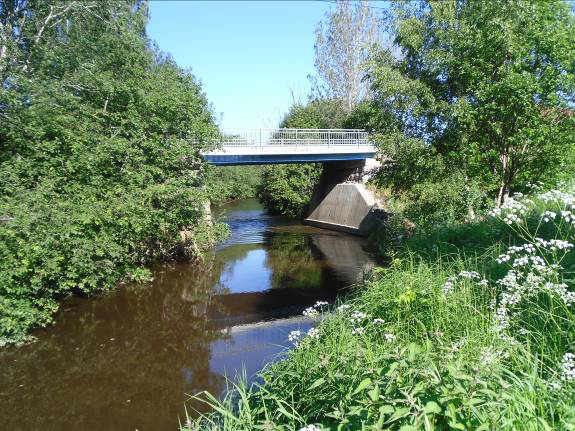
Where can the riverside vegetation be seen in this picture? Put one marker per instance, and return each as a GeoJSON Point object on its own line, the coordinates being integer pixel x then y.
{"type": "Point", "coordinates": [100, 171]}
{"type": "Point", "coordinates": [470, 327]}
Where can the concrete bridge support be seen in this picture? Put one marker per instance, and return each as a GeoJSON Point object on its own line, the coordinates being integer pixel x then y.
{"type": "Point", "coordinates": [341, 201]}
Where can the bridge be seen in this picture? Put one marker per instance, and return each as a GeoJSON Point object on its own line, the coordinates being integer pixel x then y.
{"type": "Point", "coordinates": [340, 201]}
{"type": "Point", "coordinates": [269, 146]}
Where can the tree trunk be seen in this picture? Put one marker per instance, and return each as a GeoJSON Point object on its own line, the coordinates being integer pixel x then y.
{"type": "Point", "coordinates": [505, 180]}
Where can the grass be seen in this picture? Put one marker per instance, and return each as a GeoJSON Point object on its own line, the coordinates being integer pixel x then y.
{"type": "Point", "coordinates": [427, 357]}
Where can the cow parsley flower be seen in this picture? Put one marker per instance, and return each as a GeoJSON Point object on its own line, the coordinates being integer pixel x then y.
{"type": "Point", "coordinates": [568, 367]}
{"type": "Point", "coordinates": [313, 333]}
{"type": "Point", "coordinates": [548, 216]}
{"type": "Point", "coordinates": [357, 317]}
{"type": "Point", "coordinates": [389, 337]}
{"type": "Point", "coordinates": [449, 285]}
{"type": "Point", "coordinates": [488, 356]}
{"type": "Point", "coordinates": [310, 312]}
{"type": "Point", "coordinates": [343, 308]}
{"type": "Point", "coordinates": [294, 336]}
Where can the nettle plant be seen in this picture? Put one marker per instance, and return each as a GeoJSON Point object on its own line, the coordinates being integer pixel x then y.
{"type": "Point", "coordinates": [535, 300]}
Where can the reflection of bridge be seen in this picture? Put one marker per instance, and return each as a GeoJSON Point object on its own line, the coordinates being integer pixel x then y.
{"type": "Point", "coordinates": [266, 146]}
{"type": "Point", "coordinates": [340, 201]}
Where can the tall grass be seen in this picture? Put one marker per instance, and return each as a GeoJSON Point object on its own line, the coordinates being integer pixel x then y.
{"type": "Point", "coordinates": [470, 327]}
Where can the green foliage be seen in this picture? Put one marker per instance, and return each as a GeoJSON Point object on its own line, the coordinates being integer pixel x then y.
{"type": "Point", "coordinates": [225, 183]}
{"type": "Point", "coordinates": [100, 170]}
{"type": "Point", "coordinates": [287, 189]}
{"type": "Point", "coordinates": [317, 114]}
{"type": "Point", "coordinates": [421, 346]}
{"type": "Point", "coordinates": [480, 90]}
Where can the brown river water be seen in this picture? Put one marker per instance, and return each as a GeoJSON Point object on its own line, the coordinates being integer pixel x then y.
{"type": "Point", "coordinates": [127, 359]}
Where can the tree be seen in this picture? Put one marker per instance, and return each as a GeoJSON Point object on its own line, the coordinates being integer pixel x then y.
{"type": "Point", "coordinates": [489, 86]}
{"type": "Point", "coordinates": [317, 114]}
{"type": "Point", "coordinates": [342, 48]}
{"type": "Point", "coordinates": [100, 167]}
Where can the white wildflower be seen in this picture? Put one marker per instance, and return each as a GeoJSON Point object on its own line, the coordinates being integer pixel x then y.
{"type": "Point", "coordinates": [449, 285]}
{"type": "Point", "coordinates": [568, 367]}
{"type": "Point", "coordinates": [508, 339]}
{"type": "Point", "coordinates": [357, 317]}
{"type": "Point", "coordinates": [568, 216]}
{"type": "Point", "coordinates": [313, 333]}
{"type": "Point", "coordinates": [469, 274]}
{"type": "Point", "coordinates": [548, 216]}
{"type": "Point", "coordinates": [294, 336]}
{"type": "Point", "coordinates": [310, 428]}
{"type": "Point", "coordinates": [488, 356]}
{"type": "Point", "coordinates": [310, 312]}
{"type": "Point", "coordinates": [358, 331]}
{"type": "Point", "coordinates": [343, 308]}
{"type": "Point", "coordinates": [389, 337]}
{"type": "Point", "coordinates": [378, 321]}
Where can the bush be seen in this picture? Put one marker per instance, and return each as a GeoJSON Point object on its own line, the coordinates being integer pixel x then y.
{"type": "Point", "coordinates": [287, 189]}
{"type": "Point", "coordinates": [225, 183]}
{"type": "Point", "coordinates": [100, 168]}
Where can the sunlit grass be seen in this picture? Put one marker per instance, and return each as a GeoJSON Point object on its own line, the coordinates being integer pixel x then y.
{"type": "Point", "coordinates": [409, 351]}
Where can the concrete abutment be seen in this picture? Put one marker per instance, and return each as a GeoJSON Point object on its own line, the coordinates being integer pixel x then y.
{"type": "Point", "coordinates": [341, 201]}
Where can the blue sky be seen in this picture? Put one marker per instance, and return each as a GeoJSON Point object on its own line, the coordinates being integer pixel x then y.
{"type": "Point", "coordinates": [248, 55]}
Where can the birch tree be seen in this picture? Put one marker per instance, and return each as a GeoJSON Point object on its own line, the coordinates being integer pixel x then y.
{"type": "Point", "coordinates": [26, 25]}
{"type": "Point", "coordinates": [342, 47]}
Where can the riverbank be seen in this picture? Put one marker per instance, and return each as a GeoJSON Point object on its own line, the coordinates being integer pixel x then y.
{"type": "Point", "coordinates": [471, 327]}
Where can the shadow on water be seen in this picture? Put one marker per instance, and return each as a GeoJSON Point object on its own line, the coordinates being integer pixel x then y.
{"type": "Point", "coordinates": [126, 359]}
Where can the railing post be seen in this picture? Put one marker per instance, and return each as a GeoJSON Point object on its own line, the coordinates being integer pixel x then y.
{"type": "Point", "coordinates": [260, 138]}
{"type": "Point", "coordinates": [296, 142]}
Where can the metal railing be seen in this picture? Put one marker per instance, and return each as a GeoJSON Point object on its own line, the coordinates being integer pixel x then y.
{"type": "Point", "coordinates": [297, 137]}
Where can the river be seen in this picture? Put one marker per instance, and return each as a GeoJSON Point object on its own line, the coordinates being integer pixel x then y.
{"type": "Point", "coordinates": [126, 359]}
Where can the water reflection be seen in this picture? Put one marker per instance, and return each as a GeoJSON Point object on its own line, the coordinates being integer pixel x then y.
{"type": "Point", "coordinates": [126, 359]}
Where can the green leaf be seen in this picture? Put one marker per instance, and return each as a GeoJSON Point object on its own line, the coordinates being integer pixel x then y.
{"type": "Point", "coordinates": [413, 350]}
{"type": "Point", "coordinates": [374, 393]}
{"type": "Point", "coordinates": [432, 407]}
{"type": "Point", "coordinates": [362, 385]}
{"type": "Point", "coordinates": [386, 409]}
{"type": "Point", "coordinates": [399, 413]}
{"type": "Point", "coordinates": [317, 383]}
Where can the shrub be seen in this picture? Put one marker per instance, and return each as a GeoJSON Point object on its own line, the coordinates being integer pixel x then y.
{"type": "Point", "coordinates": [287, 189]}
{"type": "Point", "coordinates": [100, 168]}
{"type": "Point", "coordinates": [225, 183]}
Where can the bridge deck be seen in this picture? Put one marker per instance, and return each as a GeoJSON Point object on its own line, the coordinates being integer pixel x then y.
{"type": "Point", "coordinates": [269, 146]}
